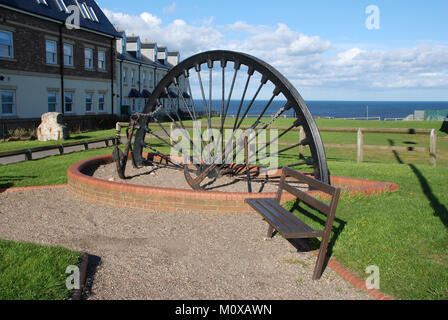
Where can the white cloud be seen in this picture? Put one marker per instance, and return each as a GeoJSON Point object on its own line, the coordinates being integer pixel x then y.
{"type": "Point", "coordinates": [306, 60]}
{"type": "Point", "coordinates": [170, 9]}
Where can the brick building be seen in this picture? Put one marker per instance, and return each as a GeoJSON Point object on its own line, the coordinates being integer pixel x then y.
{"type": "Point", "coordinates": [47, 66]}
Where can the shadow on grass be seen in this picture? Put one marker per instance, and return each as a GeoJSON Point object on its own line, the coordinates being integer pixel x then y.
{"type": "Point", "coordinates": [313, 243]}
{"type": "Point", "coordinates": [392, 143]}
{"type": "Point", "coordinates": [444, 127]}
{"type": "Point", "coordinates": [439, 209]}
{"type": "Point", "coordinates": [7, 182]}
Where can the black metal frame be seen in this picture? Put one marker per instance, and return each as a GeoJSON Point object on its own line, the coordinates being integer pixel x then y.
{"type": "Point", "coordinates": [268, 73]}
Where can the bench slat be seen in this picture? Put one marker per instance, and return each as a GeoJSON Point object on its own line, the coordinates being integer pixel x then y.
{"type": "Point", "coordinates": [272, 220]}
{"type": "Point", "coordinates": [282, 220]}
{"type": "Point", "coordinates": [319, 205]}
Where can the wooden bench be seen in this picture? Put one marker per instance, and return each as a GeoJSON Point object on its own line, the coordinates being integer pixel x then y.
{"type": "Point", "coordinates": [288, 225]}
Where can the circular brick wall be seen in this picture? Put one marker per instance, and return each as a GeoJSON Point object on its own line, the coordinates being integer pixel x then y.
{"type": "Point", "coordinates": [118, 194]}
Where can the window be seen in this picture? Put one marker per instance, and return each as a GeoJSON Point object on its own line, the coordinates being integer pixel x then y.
{"type": "Point", "coordinates": [44, 2]}
{"type": "Point", "coordinates": [8, 102]}
{"type": "Point", "coordinates": [139, 105]}
{"type": "Point", "coordinates": [125, 76]}
{"type": "Point", "coordinates": [88, 54]}
{"type": "Point", "coordinates": [123, 45]}
{"type": "Point", "coordinates": [62, 5]}
{"type": "Point", "coordinates": [51, 49]}
{"type": "Point", "coordinates": [133, 105]}
{"type": "Point", "coordinates": [101, 102]}
{"type": "Point", "coordinates": [52, 101]}
{"type": "Point", "coordinates": [6, 46]}
{"type": "Point", "coordinates": [89, 102]}
{"type": "Point", "coordinates": [150, 79]}
{"type": "Point", "coordinates": [132, 77]}
{"type": "Point", "coordinates": [83, 12]}
{"type": "Point", "coordinates": [86, 11]}
{"type": "Point", "coordinates": [101, 60]}
{"type": "Point", "coordinates": [68, 54]}
{"type": "Point", "coordinates": [68, 97]}
{"type": "Point", "coordinates": [93, 14]}
{"type": "Point", "coordinates": [144, 79]}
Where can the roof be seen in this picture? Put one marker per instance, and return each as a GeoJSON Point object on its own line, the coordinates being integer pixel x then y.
{"type": "Point", "coordinates": [150, 45]}
{"type": "Point", "coordinates": [173, 53]}
{"type": "Point", "coordinates": [132, 39]}
{"type": "Point", "coordinates": [131, 56]}
{"type": "Point", "coordinates": [52, 11]}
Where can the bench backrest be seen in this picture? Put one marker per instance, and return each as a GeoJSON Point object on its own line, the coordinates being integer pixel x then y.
{"type": "Point", "coordinates": [305, 197]}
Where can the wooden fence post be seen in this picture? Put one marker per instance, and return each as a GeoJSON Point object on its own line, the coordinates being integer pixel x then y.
{"type": "Point", "coordinates": [360, 145]}
{"type": "Point", "coordinates": [302, 148]}
{"type": "Point", "coordinates": [433, 147]}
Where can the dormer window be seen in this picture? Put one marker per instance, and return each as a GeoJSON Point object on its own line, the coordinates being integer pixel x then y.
{"type": "Point", "coordinates": [86, 11]}
{"type": "Point", "coordinates": [62, 5]}
{"type": "Point", "coordinates": [83, 11]}
{"type": "Point", "coordinates": [42, 2]}
{"type": "Point", "coordinates": [93, 14]}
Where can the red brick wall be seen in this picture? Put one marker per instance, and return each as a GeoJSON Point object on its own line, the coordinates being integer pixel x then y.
{"type": "Point", "coordinates": [179, 200]}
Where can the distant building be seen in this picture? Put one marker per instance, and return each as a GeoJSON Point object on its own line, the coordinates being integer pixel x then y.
{"type": "Point", "coordinates": [140, 68]}
{"type": "Point", "coordinates": [45, 66]}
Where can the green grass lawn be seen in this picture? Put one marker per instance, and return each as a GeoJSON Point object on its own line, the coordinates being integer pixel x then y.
{"type": "Point", "coordinates": [46, 171]}
{"type": "Point", "coordinates": [20, 145]}
{"type": "Point", "coordinates": [404, 233]}
{"type": "Point", "coordinates": [34, 272]}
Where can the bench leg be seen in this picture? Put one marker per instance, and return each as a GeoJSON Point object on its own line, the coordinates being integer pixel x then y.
{"type": "Point", "coordinates": [270, 231]}
{"type": "Point", "coordinates": [320, 259]}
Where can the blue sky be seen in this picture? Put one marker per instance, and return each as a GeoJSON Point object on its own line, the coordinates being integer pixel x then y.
{"type": "Point", "coordinates": [322, 46]}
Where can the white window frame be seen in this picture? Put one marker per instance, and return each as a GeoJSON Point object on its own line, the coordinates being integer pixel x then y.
{"type": "Point", "coordinates": [65, 102]}
{"type": "Point", "coordinates": [93, 14]}
{"type": "Point", "coordinates": [125, 76]}
{"type": "Point", "coordinates": [88, 63]}
{"type": "Point", "coordinates": [101, 105]}
{"type": "Point", "coordinates": [89, 94]}
{"type": "Point", "coordinates": [55, 102]}
{"type": "Point", "coordinates": [9, 46]}
{"type": "Point", "coordinates": [67, 45]}
{"type": "Point", "coordinates": [86, 9]}
{"type": "Point", "coordinates": [13, 103]}
{"type": "Point", "coordinates": [81, 9]}
{"type": "Point", "coordinates": [145, 79]}
{"type": "Point", "coordinates": [62, 6]}
{"type": "Point", "coordinates": [55, 53]}
{"type": "Point", "coordinates": [102, 62]}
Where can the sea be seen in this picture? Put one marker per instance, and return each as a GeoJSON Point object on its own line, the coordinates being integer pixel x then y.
{"type": "Point", "coordinates": [338, 109]}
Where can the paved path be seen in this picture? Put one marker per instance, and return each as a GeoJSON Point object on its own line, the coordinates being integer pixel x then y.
{"type": "Point", "coordinates": [156, 255]}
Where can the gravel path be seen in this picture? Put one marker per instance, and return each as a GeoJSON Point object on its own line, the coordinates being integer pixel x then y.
{"type": "Point", "coordinates": [150, 255]}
